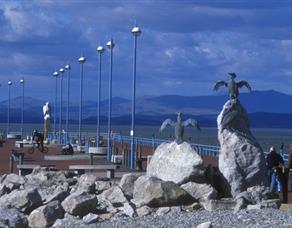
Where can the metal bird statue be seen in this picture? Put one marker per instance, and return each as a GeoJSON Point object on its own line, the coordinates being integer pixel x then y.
{"type": "Point", "coordinates": [179, 126]}
{"type": "Point", "coordinates": [232, 86]}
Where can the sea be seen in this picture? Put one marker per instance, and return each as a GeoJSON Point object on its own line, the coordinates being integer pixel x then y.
{"type": "Point", "coordinates": [266, 136]}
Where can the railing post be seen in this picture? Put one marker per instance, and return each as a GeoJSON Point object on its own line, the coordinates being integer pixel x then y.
{"type": "Point", "coordinates": [11, 161]}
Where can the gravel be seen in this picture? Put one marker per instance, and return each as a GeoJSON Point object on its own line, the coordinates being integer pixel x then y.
{"type": "Point", "coordinates": [220, 218]}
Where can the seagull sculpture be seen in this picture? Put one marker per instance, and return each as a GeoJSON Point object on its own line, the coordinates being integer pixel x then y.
{"type": "Point", "coordinates": [179, 126]}
{"type": "Point", "coordinates": [232, 85]}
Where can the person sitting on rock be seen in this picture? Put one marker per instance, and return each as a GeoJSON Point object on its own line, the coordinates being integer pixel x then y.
{"type": "Point", "coordinates": [274, 163]}
{"type": "Point", "coordinates": [38, 137]}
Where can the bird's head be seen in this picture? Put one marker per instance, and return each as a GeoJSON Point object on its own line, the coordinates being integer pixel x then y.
{"type": "Point", "coordinates": [232, 75]}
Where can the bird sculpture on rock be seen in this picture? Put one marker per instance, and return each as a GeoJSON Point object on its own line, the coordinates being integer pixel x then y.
{"type": "Point", "coordinates": [234, 109]}
{"type": "Point", "coordinates": [179, 126]}
{"type": "Point", "coordinates": [232, 85]}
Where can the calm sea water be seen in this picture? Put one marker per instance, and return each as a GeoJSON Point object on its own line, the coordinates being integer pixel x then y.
{"type": "Point", "coordinates": [266, 137]}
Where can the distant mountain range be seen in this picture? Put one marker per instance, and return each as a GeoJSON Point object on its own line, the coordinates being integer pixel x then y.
{"type": "Point", "coordinates": [266, 109]}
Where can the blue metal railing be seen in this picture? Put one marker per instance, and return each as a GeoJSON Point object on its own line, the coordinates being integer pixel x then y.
{"type": "Point", "coordinates": [202, 149]}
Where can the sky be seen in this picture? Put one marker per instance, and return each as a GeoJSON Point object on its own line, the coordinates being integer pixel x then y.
{"type": "Point", "coordinates": [185, 46]}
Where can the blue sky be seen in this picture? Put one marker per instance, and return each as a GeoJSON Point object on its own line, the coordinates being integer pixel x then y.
{"type": "Point", "coordinates": [184, 48]}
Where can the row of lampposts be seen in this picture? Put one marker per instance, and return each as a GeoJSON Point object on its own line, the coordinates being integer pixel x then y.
{"type": "Point", "coordinates": [136, 31]}
{"type": "Point", "coordinates": [9, 106]}
{"type": "Point", "coordinates": [56, 74]}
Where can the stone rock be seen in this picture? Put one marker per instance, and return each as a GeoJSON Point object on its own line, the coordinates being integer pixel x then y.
{"type": "Point", "coordinates": [105, 206]}
{"type": "Point", "coordinates": [115, 196]}
{"type": "Point", "coordinates": [101, 186]}
{"type": "Point", "coordinates": [272, 203]}
{"type": "Point", "coordinates": [200, 192]}
{"type": "Point", "coordinates": [59, 194]}
{"type": "Point", "coordinates": [254, 196]}
{"type": "Point", "coordinates": [178, 163]}
{"type": "Point", "coordinates": [162, 211]}
{"type": "Point", "coordinates": [127, 183]}
{"type": "Point", "coordinates": [80, 203]}
{"type": "Point", "coordinates": [241, 158]}
{"type": "Point", "coordinates": [192, 207]}
{"type": "Point", "coordinates": [222, 204]}
{"type": "Point", "coordinates": [45, 177]}
{"type": "Point", "coordinates": [90, 218]}
{"type": "Point", "coordinates": [157, 193]}
{"type": "Point", "coordinates": [205, 225]}
{"type": "Point", "coordinates": [46, 215]}
{"type": "Point", "coordinates": [24, 200]}
{"type": "Point", "coordinates": [257, 194]}
{"type": "Point", "coordinates": [143, 211]}
{"type": "Point", "coordinates": [86, 182]}
{"type": "Point", "coordinates": [128, 210]}
{"type": "Point", "coordinates": [12, 218]}
{"type": "Point", "coordinates": [10, 182]}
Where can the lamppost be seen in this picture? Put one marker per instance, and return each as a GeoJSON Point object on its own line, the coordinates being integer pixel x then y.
{"type": "Point", "coordinates": [61, 70]}
{"type": "Point", "coordinates": [68, 68]}
{"type": "Point", "coordinates": [22, 107]}
{"type": "Point", "coordinates": [100, 50]}
{"type": "Point", "coordinates": [8, 108]}
{"type": "Point", "coordinates": [55, 74]}
{"type": "Point", "coordinates": [110, 44]}
{"type": "Point", "coordinates": [136, 31]}
{"type": "Point", "coordinates": [81, 60]}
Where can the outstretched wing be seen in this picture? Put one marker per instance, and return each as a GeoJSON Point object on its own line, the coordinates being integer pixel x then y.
{"type": "Point", "coordinates": [219, 84]}
{"type": "Point", "coordinates": [167, 122]}
{"type": "Point", "coordinates": [192, 122]}
{"type": "Point", "coordinates": [243, 83]}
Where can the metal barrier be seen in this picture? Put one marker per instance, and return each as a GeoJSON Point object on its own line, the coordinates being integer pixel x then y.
{"type": "Point", "coordinates": [202, 149]}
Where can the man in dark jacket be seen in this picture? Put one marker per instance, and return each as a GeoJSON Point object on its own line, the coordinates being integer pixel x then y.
{"type": "Point", "coordinates": [274, 163]}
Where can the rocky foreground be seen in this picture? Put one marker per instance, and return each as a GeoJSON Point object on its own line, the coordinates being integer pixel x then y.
{"type": "Point", "coordinates": [62, 199]}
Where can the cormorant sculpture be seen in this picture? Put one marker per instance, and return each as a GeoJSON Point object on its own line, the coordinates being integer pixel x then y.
{"type": "Point", "coordinates": [179, 126]}
{"type": "Point", "coordinates": [232, 86]}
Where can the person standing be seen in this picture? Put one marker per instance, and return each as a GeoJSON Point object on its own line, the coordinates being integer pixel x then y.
{"type": "Point", "coordinates": [274, 163]}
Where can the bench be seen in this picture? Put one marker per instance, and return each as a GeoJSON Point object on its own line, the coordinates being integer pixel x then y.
{"type": "Point", "coordinates": [110, 169]}
{"type": "Point", "coordinates": [28, 168]}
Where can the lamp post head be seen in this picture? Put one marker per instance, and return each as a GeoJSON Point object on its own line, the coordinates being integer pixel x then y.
{"type": "Point", "coordinates": [81, 59]}
{"type": "Point", "coordinates": [62, 70]}
{"type": "Point", "coordinates": [21, 81]}
{"type": "Point", "coordinates": [56, 74]}
{"type": "Point", "coordinates": [100, 49]}
{"type": "Point", "coordinates": [110, 44]}
{"type": "Point", "coordinates": [136, 31]}
{"type": "Point", "coordinates": [67, 67]}
{"type": "Point", "coordinates": [9, 83]}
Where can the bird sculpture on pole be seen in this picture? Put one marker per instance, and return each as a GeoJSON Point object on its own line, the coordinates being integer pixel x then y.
{"type": "Point", "coordinates": [179, 126]}
{"type": "Point", "coordinates": [232, 85]}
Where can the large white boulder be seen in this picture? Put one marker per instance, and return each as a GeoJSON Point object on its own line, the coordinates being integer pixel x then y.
{"type": "Point", "coordinates": [157, 193]}
{"type": "Point", "coordinates": [241, 158]}
{"type": "Point", "coordinates": [178, 163]}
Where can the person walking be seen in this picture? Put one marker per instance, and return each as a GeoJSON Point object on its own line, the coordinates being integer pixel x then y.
{"type": "Point", "coordinates": [274, 163]}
